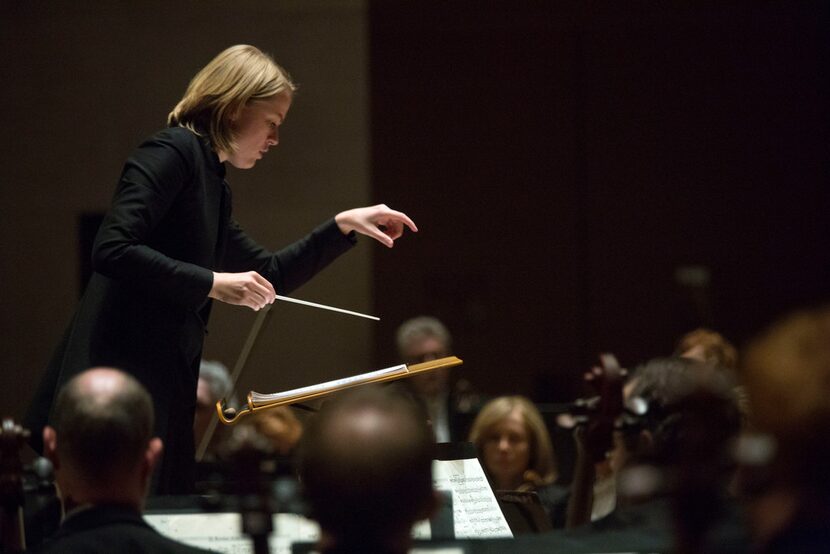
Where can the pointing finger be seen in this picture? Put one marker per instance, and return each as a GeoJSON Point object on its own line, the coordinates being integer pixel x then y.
{"type": "Point", "coordinates": [400, 216]}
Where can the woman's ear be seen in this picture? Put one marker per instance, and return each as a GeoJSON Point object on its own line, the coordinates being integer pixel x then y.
{"type": "Point", "coordinates": [235, 112]}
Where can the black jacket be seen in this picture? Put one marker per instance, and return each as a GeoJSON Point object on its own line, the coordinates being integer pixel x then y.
{"type": "Point", "coordinates": [108, 530]}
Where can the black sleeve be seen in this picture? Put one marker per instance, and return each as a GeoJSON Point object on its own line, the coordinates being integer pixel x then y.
{"type": "Point", "coordinates": [152, 179]}
{"type": "Point", "coordinates": [292, 266]}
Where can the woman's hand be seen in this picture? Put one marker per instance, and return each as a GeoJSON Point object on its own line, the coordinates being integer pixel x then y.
{"type": "Point", "coordinates": [243, 289]}
{"type": "Point", "coordinates": [379, 222]}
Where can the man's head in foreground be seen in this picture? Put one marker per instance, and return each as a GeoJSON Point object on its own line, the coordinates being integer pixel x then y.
{"type": "Point", "coordinates": [366, 466]}
{"type": "Point", "coordinates": [100, 440]}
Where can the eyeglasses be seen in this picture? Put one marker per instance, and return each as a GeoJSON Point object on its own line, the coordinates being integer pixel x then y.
{"type": "Point", "coordinates": [426, 357]}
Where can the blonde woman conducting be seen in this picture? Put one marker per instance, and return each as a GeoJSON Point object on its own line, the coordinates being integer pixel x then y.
{"type": "Point", "coordinates": [168, 247]}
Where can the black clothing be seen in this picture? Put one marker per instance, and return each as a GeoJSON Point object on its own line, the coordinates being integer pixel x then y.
{"type": "Point", "coordinates": [804, 536]}
{"type": "Point", "coordinates": [554, 499]}
{"type": "Point", "coordinates": [108, 529]}
{"type": "Point", "coordinates": [362, 548]}
{"type": "Point", "coordinates": [146, 306]}
{"type": "Point", "coordinates": [646, 527]}
{"type": "Point", "coordinates": [461, 408]}
{"type": "Point", "coordinates": [651, 526]}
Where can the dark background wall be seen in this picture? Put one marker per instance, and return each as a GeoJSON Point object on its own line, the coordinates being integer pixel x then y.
{"type": "Point", "coordinates": [599, 176]}
{"type": "Point", "coordinates": [587, 176]}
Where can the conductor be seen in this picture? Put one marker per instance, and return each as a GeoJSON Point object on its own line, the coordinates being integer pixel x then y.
{"type": "Point", "coordinates": [168, 247]}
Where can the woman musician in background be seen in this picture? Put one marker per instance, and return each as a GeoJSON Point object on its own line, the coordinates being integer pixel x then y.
{"type": "Point", "coordinates": [515, 450]}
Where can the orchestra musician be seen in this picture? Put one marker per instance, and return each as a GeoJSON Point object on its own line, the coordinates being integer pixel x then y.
{"type": "Point", "coordinates": [168, 247]}
{"type": "Point", "coordinates": [366, 470]}
{"type": "Point", "coordinates": [516, 452]}
{"type": "Point", "coordinates": [103, 451]}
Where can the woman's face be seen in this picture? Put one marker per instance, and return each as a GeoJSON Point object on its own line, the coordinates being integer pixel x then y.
{"type": "Point", "coordinates": [507, 451]}
{"type": "Point", "coordinates": [257, 129]}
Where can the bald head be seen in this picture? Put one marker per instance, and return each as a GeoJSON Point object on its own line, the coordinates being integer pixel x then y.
{"type": "Point", "coordinates": [363, 454]}
{"type": "Point", "coordinates": [366, 430]}
{"type": "Point", "coordinates": [104, 421]}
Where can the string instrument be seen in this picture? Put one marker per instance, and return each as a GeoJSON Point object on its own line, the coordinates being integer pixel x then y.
{"type": "Point", "coordinates": [596, 419]}
{"type": "Point", "coordinates": [12, 439]}
{"type": "Point", "coordinates": [607, 380]}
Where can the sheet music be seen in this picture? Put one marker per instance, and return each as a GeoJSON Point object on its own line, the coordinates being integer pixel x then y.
{"type": "Point", "coordinates": [225, 535]}
{"type": "Point", "coordinates": [421, 530]}
{"type": "Point", "coordinates": [221, 532]}
{"type": "Point", "coordinates": [259, 399]}
{"type": "Point", "coordinates": [476, 511]}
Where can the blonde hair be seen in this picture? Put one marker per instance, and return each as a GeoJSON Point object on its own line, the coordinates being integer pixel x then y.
{"type": "Point", "coordinates": [238, 75]}
{"type": "Point", "coordinates": [542, 464]}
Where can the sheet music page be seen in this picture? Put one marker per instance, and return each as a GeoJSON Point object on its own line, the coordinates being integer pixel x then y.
{"type": "Point", "coordinates": [475, 509]}
{"type": "Point", "coordinates": [421, 530]}
{"type": "Point", "coordinates": [259, 398]}
{"type": "Point", "coordinates": [222, 532]}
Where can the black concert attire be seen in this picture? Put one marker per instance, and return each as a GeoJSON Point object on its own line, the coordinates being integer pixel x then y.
{"type": "Point", "coordinates": [110, 528]}
{"type": "Point", "coordinates": [146, 306]}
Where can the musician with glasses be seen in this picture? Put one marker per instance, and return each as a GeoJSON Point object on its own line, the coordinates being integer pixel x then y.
{"type": "Point", "coordinates": [450, 404]}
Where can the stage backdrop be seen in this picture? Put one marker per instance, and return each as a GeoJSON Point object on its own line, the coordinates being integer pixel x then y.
{"type": "Point", "coordinates": [595, 176]}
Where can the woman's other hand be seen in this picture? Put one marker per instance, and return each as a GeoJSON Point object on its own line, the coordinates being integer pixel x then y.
{"type": "Point", "coordinates": [379, 222]}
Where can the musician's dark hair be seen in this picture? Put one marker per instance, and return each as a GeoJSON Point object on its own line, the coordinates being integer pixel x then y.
{"type": "Point", "coordinates": [673, 388]}
{"type": "Point", "coordinates": [102, 434]}
{"type": "Point", "coordinates": [366, 465]}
